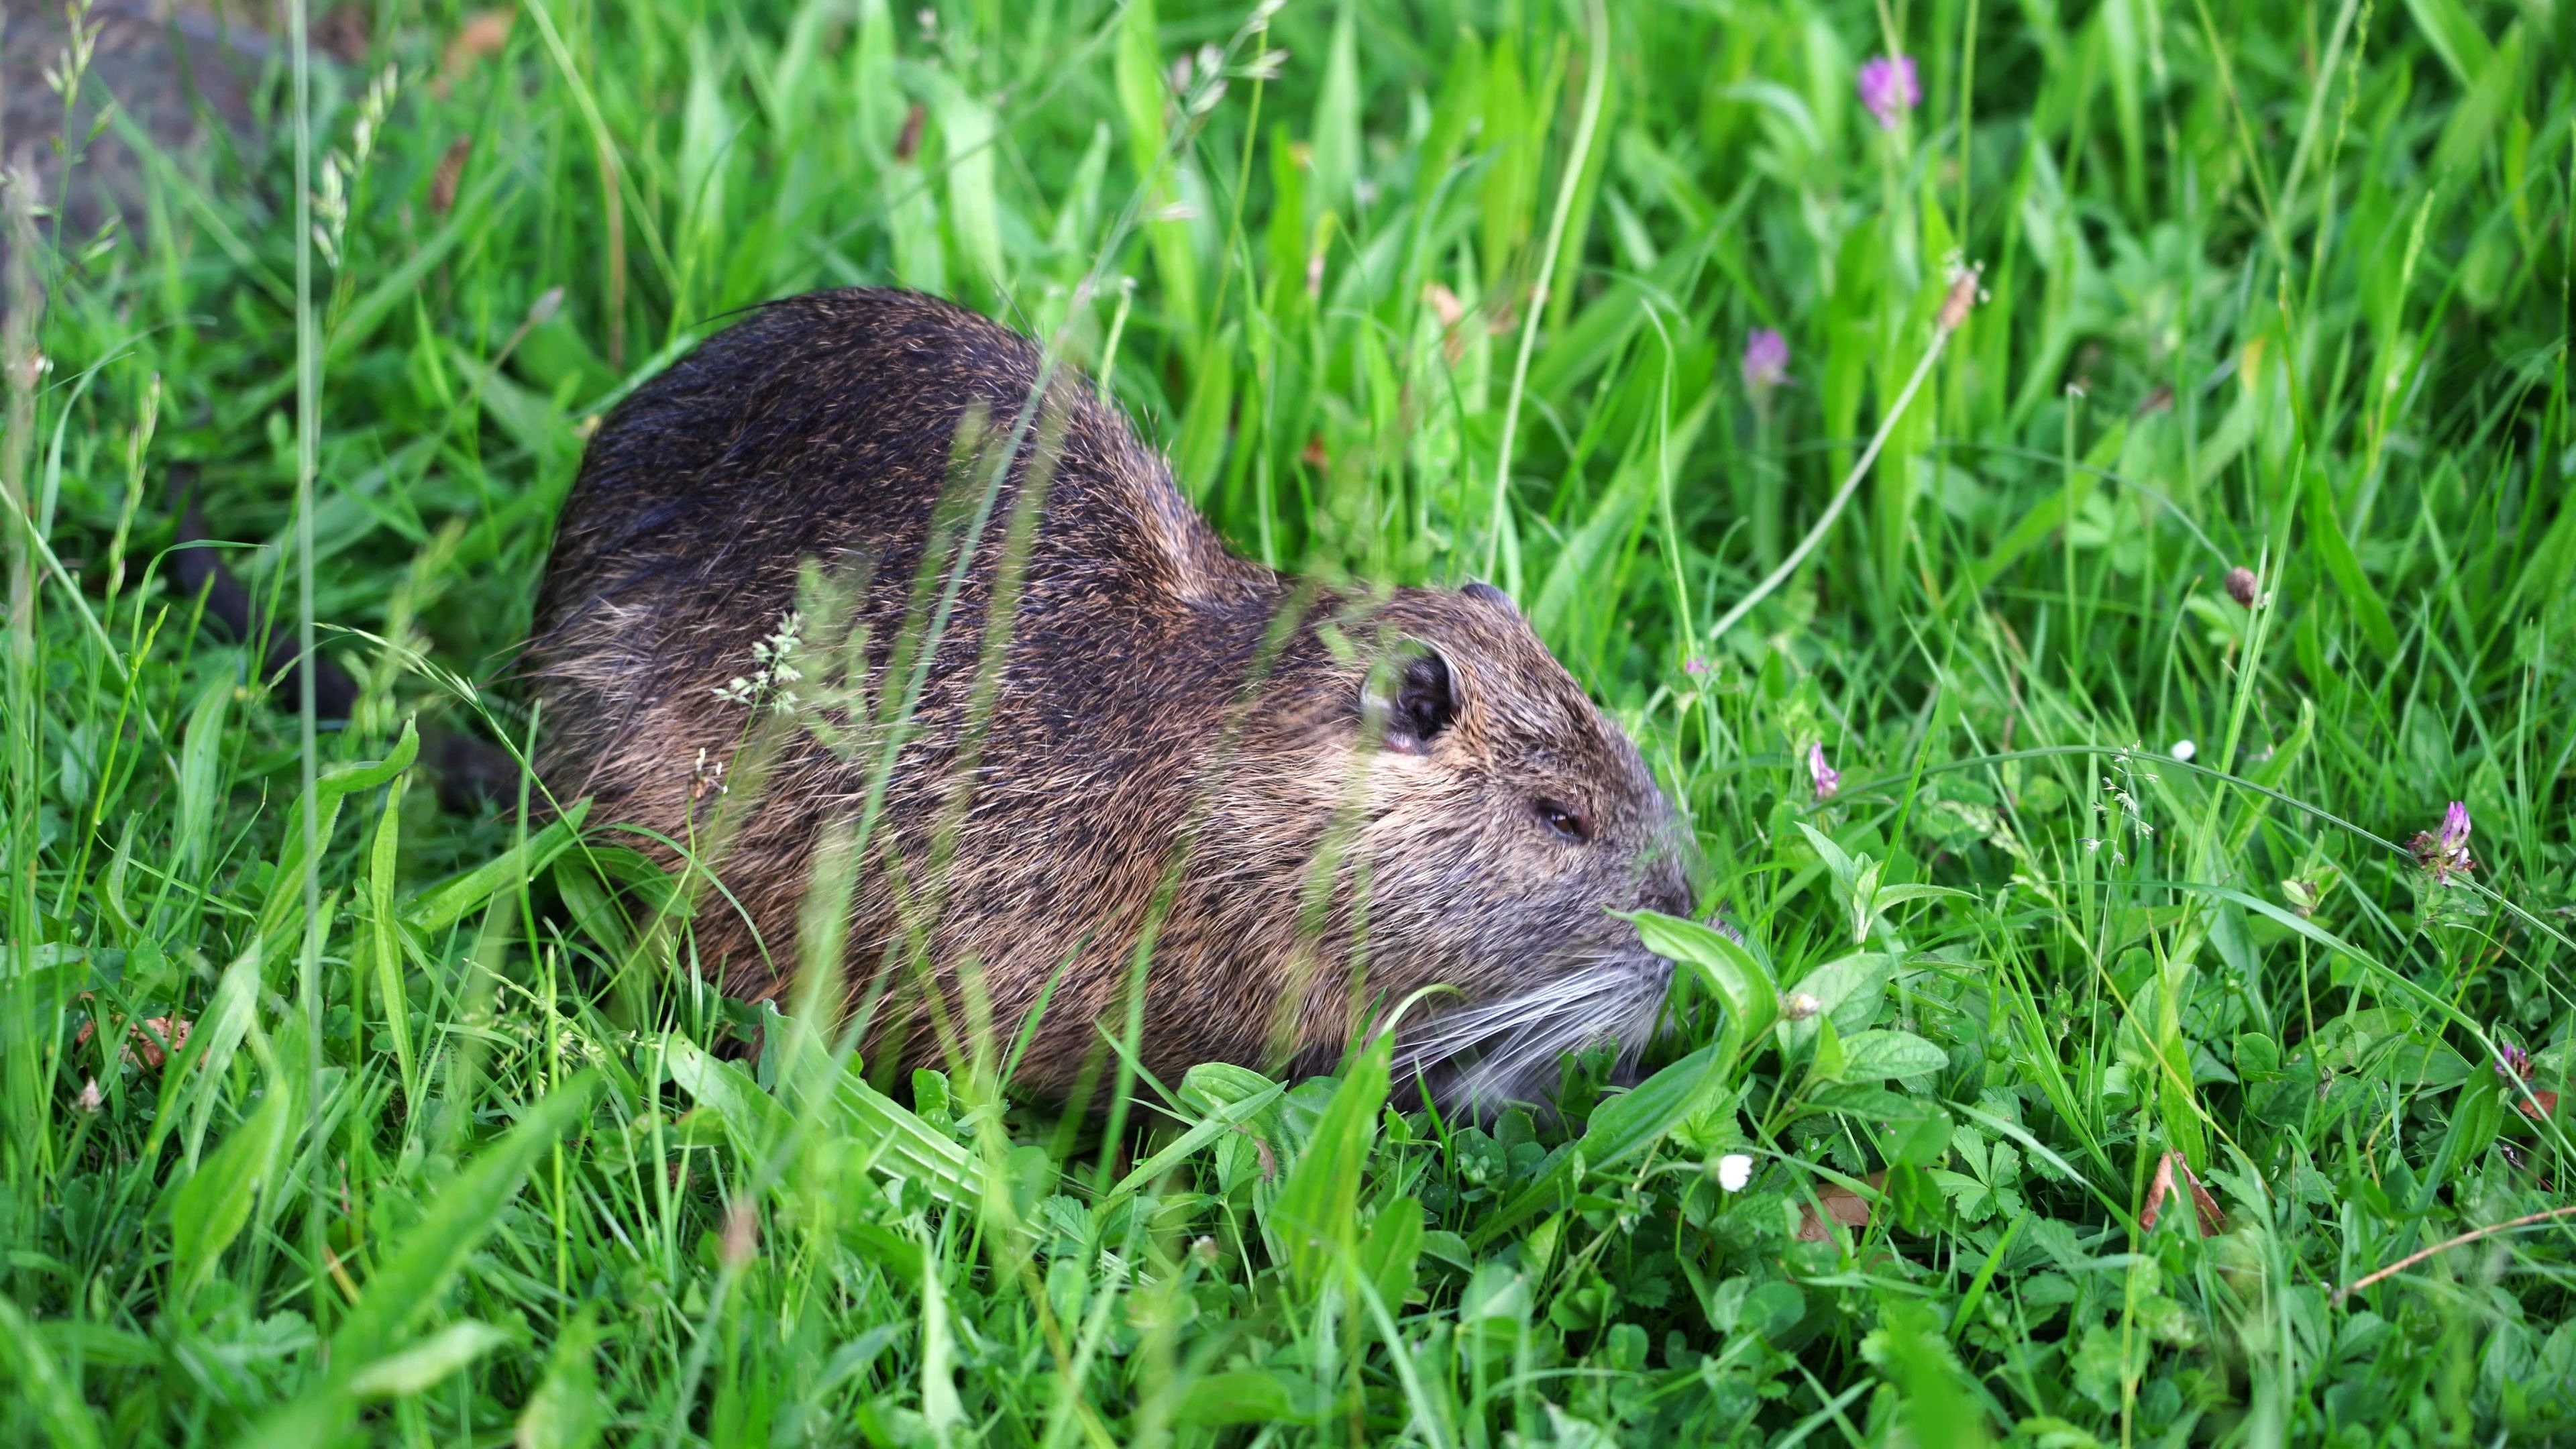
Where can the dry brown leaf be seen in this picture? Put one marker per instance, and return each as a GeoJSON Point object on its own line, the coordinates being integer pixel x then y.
{"type": "Point", "coordinates": [1446, 306]}
{"type": "Point", "coordinates": [2538, 1105]}
{"type": "Point", "coordinates": [147, 1038]}
{"type": "Point", "coordinates": [343, 33]}
{"type": "Point", "coordinates": [451, 168]}
{"type": "Point", "coordinates": [1841, 1204]}
{"type": "Point", "coordinates": [484, 34]}
{"type": "Point", "coordinates": [907, 144]}
{"type": "Point", "coordinates": [2205, 1207]}
{"type": "Point", "coordinates": [156, 1032]}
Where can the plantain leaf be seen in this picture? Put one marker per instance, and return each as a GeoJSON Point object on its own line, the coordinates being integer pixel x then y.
{"type": "Point", "coordinates": [1741, 981]}
{"type": "Point", "coordinates": [565, 1411]}
{"type": "Point", "coordinates": [428, 1363]}
{"type": "Point", "coordinates": [1388, 1253]}
{"type": "Point", "coordinates": [209, 1209]}
{"type": "Point", "coordinates": [41, 1386]}
{"type": "Point", "coordinates": [1317, 1212]}
{"type": "Point", "coordinates": [416, 1275]}
{"type": "Point", "coordinates": [201, 778]}
{"type": "Point", "coordinates": [444, 904]}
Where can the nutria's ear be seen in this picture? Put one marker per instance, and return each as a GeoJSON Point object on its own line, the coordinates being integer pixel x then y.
{"type": "Point", "coordinates": [1479, 589]}
{"type": "Point", "coordinates": [1426, 697]}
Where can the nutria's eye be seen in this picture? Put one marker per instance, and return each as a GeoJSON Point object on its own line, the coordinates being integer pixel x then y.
{"type": "Point", "coordinates": [1564, 822]}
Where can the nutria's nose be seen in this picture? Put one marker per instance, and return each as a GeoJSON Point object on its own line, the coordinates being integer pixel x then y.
{"type": "Point", "coordinates": [1666, 882]}
{"type": "Point", "coordinates": [1670, 892]}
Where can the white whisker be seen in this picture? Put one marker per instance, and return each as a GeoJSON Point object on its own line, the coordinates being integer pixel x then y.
{"type": "Point", "coordinates": [1483, 1054]}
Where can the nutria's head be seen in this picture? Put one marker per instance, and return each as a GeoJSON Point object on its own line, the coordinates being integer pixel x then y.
{"type": "Point", "coordinates": [1501, 820]}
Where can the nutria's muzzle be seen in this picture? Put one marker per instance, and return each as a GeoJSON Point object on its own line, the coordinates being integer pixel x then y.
{"type": "Point", "coordinates": [1482, 1056]}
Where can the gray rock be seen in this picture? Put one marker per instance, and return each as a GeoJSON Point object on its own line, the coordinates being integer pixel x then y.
{"type": "Point", "coordinates": [188, 80]}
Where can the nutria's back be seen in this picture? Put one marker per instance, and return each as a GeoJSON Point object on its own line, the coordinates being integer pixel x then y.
{"type": "Point", "coordinates": [1316, 801]}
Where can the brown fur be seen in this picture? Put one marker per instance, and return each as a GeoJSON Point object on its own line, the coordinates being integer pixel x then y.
{"type": "Point", "coordinates": [1120, 737]}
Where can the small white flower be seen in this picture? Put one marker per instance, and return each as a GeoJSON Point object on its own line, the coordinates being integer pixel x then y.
{"type": "Point", "coordinates": [1734, 1170]}
{"type": "Point", "coordinates": [1266, 66]}
{"type": "Point", "coordinates": [1798, 1006]}
{"type": "Point", "coordinates": [2183, 750]}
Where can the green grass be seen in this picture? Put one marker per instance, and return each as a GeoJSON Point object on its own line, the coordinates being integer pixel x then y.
{"type": "Point", "coordinates": [2269, 285]}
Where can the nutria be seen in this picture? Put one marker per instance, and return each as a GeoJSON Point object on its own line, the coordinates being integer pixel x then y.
{"type": "Point", "coordinates": [1169, 740]}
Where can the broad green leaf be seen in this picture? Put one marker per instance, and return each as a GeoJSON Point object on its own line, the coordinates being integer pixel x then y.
{"type": "Point", "coordinates": [565, 1412]}
{"type": "Point", "coordinates": [2455, 37]}
{"type": "Point", "coordinates": [906, 1145]}
{"type": "Point", "coordinates": [1143, 92]}
{"type": "Point", "coordinates": [2325, 537]}
{"type": "Point", "coordinates": [1918, 1140]}
{"type": "Point", "coordinates": [98, 1343]}
{"type": "Point", "coordinates": [428, 1363]}
{"type": "Point", "coordinates": [443, 905]}
{"type": "Point", "coordinates": [1619, 1129]}
{"type": "Point", "coordinates": [196, 1076]}
{"type": "Point", "coordinates": [385, 935]}
{"type": "Point", "coordinates": [1636, 1119]}
{"type": "Point", "coordinates": [1211, 413]}
{"type": "Point", "coordinates": [1897, 895]}
{"type": "Point", "coordinates": [210, 1208]}
{"type": "Point", "coordinates": [41, 1385]}
{"type": "Point", "coordinates": [1247, 1396]}
{"type": "Point", "coordinates": [1317, 1213]}
{"type": "Point", "coordinates": [1337, 114]}
{"type": "Point", "coordinates": [285, 904]}
{"type": "Point", "coordinates": [1832, 1062]}
{"type": "Point", "coordinates": [1742, 982]}
{"type": "Point", "coordinates": [1225, 1118]}
{"type": "Point", "coordinates": [753, 1118]}
{"type": "Point", "coordinates": [1495, 1290]}
{"type": "Point", "coordinates": [1388, 1253]}
{"type": "Point", "coordinates": [929, 1156]}
{"type": "Point", "coordinates": [1848, 990]}
{"type": "Point", "coordinates": [1513, 130]}
{"type": "Point", "coordinates": [974, 211]}
{"type": "Point", "coordinates": [2493, 99]}
{"type": "Point", "coordinates": [1872, 1056]}
{"type": "Point", "coordinates": [414, 1277]}
{"type": "Point", "coordinates": [1210, 1086]}
{"type": "Point", "coordinates": [900, 1257]}
{"type": "Point", "coordinates": [200, 777]}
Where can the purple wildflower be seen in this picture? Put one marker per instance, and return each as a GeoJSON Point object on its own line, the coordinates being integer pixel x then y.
{"type": "Point", "coordinates": [1888, 88]}
{"type": "Point", "coordinates": [1766, 360]}
{"type": "Point", "coordinates": [1829, 781]}
{"type": "Point", "coordinates": [2446, 850]}
{"type": "Point", "coordinates": [1697, 667]}
{"type": "Point", "coordinates": [2513, 1063]}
